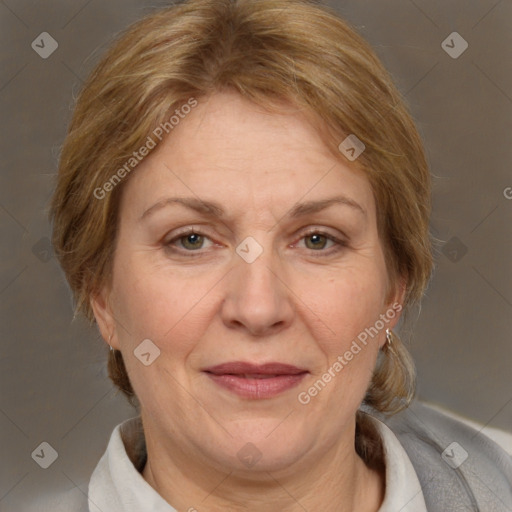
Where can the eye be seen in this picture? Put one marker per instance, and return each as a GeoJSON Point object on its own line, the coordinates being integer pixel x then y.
{"type": "Point", "coordinates": [193, 241]}
{"type": "Point", "coordinates": [190, 241]}
{"type": "Point", "coordinates": [318, 241]}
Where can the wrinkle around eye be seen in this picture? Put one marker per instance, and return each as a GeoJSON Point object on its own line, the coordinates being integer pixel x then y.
{"type": "Point", "coordinates": [175, 247]}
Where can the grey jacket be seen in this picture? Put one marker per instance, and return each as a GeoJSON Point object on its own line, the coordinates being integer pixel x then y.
{"type": "Point", "coordinates": [460, 470]}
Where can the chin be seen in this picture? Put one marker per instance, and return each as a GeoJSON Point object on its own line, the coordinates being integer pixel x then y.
{"type": "Point", "coordinates": [261, 449]}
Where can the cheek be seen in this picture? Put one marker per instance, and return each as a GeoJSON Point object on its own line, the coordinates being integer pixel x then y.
{"type": "Point", "coordinates": [161, 305]}
{"type": "Point", "coordinates": [349, 306]}
{"type": "Point", "coordinates": [346, 304]}
{"type": "Point", "coordinates": [173, 312]}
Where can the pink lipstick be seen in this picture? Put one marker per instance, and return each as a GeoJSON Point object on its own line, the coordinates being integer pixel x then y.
{"type": "Point", "coordinates": [256, 381]}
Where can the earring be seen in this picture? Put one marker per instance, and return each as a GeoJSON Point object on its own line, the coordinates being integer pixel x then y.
{"type": "Point", "coordinates": [109, 339]}
{"type": "Point", "coordinates": [389, 338]}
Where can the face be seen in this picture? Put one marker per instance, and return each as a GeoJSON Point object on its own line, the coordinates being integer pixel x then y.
{"type": "Point", "coordinates": [249, 256]}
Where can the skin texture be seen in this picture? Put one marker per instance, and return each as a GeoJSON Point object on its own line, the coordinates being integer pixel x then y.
{"type": "Point", "coordinates": [301, 302]}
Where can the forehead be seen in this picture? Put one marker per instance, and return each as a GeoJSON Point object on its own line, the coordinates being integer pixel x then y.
{"type": "Point", "coordinates": [239, 154]}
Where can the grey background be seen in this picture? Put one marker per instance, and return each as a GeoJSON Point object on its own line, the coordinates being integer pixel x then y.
{"type": "Point", "coordinates": [54, 385]}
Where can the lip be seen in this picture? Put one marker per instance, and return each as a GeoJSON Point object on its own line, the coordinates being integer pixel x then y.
{"type": "Point", "coordinates": [255, 381]}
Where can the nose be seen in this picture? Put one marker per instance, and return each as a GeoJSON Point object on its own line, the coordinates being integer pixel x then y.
{"type": "Point", "coordinates": [258, 300]}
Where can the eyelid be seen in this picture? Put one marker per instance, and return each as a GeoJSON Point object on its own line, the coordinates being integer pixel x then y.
{"type": "Point", "coordinates": [168, 243]}
{"type": "Point", "coordinates": [339, 242]}
{"type": "Point", "coordinates": [319, 231]}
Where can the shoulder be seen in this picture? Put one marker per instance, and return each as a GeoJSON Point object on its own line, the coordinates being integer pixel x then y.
{"type": "Point", "coordinates": [426, 425]}
{"type": "Point", "coordinates": [456, 465]}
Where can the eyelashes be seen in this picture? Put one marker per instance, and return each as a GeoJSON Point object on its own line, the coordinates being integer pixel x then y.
{"type": "Point", "coordinates": [328, 237]}
{"type": "Point", "coordinates": [193, 243]}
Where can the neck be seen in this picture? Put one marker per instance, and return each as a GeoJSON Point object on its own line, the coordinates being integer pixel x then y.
{"type": "Point", "coordinates": [339, 482]}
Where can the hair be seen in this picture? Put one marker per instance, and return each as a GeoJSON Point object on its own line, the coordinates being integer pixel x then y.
{"type": "Point", "coordinates": [268, 51]}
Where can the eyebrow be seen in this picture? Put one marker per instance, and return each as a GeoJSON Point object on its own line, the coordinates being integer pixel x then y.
{"type": "Point", "coordinates": [215, 210]}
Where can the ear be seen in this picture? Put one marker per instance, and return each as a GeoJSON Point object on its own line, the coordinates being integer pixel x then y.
{"type": "Point", "coordinates": [100, 304]}
{"type": "Point", "coordinates": [395, 302]}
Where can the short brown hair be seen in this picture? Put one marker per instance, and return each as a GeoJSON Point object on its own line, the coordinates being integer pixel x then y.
{"type": "Point", "coordinates": [268, 51]}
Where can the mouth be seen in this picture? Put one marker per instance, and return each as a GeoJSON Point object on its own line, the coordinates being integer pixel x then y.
{"type": "Point", "coordinates": [256, 381]}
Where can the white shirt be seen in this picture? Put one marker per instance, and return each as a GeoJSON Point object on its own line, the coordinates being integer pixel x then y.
{"type": "Point", "coordinates": [116, 485]}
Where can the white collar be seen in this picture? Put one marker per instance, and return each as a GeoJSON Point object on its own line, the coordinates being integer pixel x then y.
{"type": "Point", "coordinates": [403, 489]}
{"type": "Point", "coordinates": [117, 485]}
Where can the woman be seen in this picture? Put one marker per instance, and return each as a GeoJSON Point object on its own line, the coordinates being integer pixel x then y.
{"type": "Point", "coordinates": [242, 207]}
